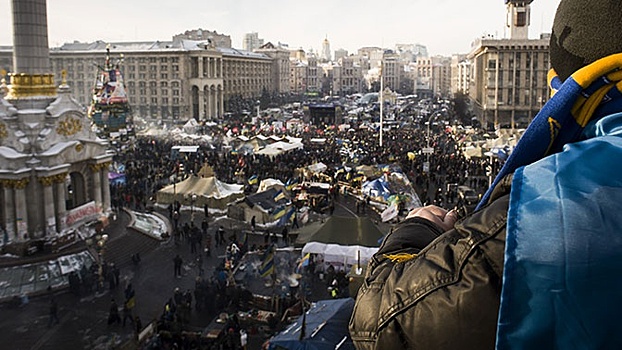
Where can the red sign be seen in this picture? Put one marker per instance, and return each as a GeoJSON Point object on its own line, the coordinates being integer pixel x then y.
{"type": "Point", "coordinates": [87, 211]}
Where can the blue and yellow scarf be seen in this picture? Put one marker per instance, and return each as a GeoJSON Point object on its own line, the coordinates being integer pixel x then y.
{"type": "Point", "coordinates": [563, 252]}
{"type": "Point", "coordinates": [588, 95]}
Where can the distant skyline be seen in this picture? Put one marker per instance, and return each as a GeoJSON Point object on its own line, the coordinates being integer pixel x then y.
{"type": "Point", "coordinates": [445, 27]}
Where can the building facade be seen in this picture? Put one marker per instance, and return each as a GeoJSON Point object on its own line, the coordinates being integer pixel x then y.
{"type": "Point", "coordinates": [508, 80]}
{"type": "Point", "coordinates": [53, 168]}
{"type": "Point", "coordinates": [171, 80]}
{"type": "Point", "coordinates": [251, 42]}
{"type": "Point", "coordinates": [460, 74]}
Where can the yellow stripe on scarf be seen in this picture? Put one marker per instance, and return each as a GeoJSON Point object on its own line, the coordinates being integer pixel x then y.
{"type": "Point", "coordinates": [611, 68]}
{"type": "Point", "coordinates": [588, 74]}
{"type": "Point", "coordinates": [400, 257]}
{"type": "Point", "coordinates": [584, 108]}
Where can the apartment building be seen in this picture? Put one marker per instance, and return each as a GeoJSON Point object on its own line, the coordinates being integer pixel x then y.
{"type": "Point", "coordinates": [508, 80]}
{"type": "Point", "coordinates": [166, 79]}
{"type": "Point", "coordinates": [460, 74]}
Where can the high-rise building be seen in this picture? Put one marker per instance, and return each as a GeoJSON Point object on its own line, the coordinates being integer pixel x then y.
{"type": "Point", "coordinates": [252, 42]}
{"type": "Point", "coordinates": [325, 50]}
{"type": "Point", "coordinates": [509, 76]}
{"type": "Point", "coordinates": [212, 37]}
{"type": "Point", "coordinates": [340, 53]}
{"type": "Point", "coordinates": [460, 74]}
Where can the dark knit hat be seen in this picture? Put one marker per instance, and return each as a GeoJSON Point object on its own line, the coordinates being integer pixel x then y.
{"type": "Point", "coordinates": [583, 32]}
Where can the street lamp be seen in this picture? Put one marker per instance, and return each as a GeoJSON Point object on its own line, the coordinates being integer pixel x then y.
{"type": "Point", "coordinates": [192, 199]}
{"type": "Point", "coordinates": [100, 247]}
{"type": "Point", "coordinates": [428, 150]}
{"type": "Point", "coordinates": [381, 101]}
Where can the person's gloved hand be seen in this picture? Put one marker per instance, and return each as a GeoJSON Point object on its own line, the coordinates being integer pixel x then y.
{"type": "Point", "coordinates": [441, 217]}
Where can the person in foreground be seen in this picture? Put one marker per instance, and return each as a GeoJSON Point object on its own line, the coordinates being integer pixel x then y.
{"type": "Point", "coordinates": [537, 265]}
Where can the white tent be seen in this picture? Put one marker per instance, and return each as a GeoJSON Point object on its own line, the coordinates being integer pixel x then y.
{"type": "Point", "coordinates": [191, 126]}
{"type": "Point", "coordinates": [266, 184]}
{"type": "Point", "coordinates": [208, 190]}
{"type": "Point", "coordinates": [342, 241]}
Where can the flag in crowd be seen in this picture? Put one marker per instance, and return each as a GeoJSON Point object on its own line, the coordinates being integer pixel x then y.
{"type": "Point", "coordinates": [390, 213]}
{"type": "Point", "coordinates": [267, 262]}
{"type": "Point", "coordinates": [304, 262]}
{"type": "Point", "coordinates": [291, 183]}
{"type": "Point", "coordinates": [279, 195]}
{"type": "Point", "coordinates": [288, 217]}
{"type": "Point", "coordinates": [279, 212]}
{"type": "Point", "coordinates": [253, 180]}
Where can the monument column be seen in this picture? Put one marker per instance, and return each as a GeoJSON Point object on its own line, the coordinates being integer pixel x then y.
{"type": "Point", "coordinates": [49, 218]}
{"type": "Point", "coordinates": [9, 209]}
{"type": "Point", "coordinates": [21, 210]}
{"type": "Point", "coordinates": [105, 183]}
{"type": "Point", "coordinates": [97, 185]}
{"type": "Point", "coordinates": [61, 205]}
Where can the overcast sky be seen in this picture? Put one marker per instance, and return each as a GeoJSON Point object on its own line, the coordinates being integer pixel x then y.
{"type": "Point", "coordinates": [444, 26]}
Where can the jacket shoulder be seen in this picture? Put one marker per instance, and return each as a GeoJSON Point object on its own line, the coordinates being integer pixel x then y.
{"type": "Point", "coordinates": [440, 288]}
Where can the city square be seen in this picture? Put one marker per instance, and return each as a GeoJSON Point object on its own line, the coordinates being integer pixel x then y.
{"type": "Point", "coordinates": [185, 193]}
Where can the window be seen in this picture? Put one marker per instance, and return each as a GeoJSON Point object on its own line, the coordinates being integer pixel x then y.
{"type": "Point", "coordinates": [163, 76]}
{"type": "Point", "coordinates": [163, 83]}
{"type": "Point", "coordinates": [164, 92]}
{"type": "Point", "coordinates": [153, 75]}
{"type": "Point", "coordinates": [175, 68]}
{"type": "Point", "coordinates": [163, 59]}
{"type": "Point", "coordinates": [154, 100]}
{"type": "Point", "coordinates": [142, 76]}
{"type": "Point", "coordinates": [163, 67]}
{"type": "Point", "coordinates": [175, 100]}
{"type": "Point", "coordinates": [521, 19]}
{"type": "Point", "coordinates": [165, 100]}
{"type": "Point", "coordinates": [153, 84]}
{"type": "Point", "coordinates": [153, 60]}
{"type": "Point", "coordinates": [153, 68]}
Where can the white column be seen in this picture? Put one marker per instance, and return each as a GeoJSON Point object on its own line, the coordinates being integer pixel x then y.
{"type": "Point", "coordinates": [201, 102]}
{"type": "Point", "coordinates": [200, 67]}
{"type": "Point", "coordinates": [105, 190]}
{"type": "Point", "coordinates": [210, 71]}
{"type": "Point", "coordinates": [9, 211]}
{"type": "Point", "coordinates": [221, 106]}
{"type": "Point", "coordinates": [97, 185]}
{"type": "Point", "coordinates": [211, 104]}
{"type": "Point", "coordinates": [21, 212]}
{"type": "Point", "coordinates": [48, 203]}
{"type": "Point", "coordinates": [61, 205]}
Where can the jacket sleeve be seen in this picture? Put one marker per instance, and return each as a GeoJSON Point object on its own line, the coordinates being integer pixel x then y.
{"type": "Point", "coordinates": [444, 296]}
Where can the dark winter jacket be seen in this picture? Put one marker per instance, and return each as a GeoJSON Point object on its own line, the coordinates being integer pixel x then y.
{"type": "Point", "coordinates": [441, 296]}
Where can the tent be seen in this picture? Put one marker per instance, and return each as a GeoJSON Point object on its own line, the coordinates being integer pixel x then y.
{"type": "Point", "coordinates": [266, 184]}
{"type": "Point", "coordinates": [341, 241]}
{"type": "Point", "coordinates": [261, 205]}
{"type": "Point", "coordinates": [209, 190]}
{"type": "Point", "coordinates": [191, 126]}
{"type": "Point", "coordinates": [325, 327]}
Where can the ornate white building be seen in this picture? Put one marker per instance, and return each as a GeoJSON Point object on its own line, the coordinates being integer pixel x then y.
{"type": "Point", "coordinates": [53, 168]}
